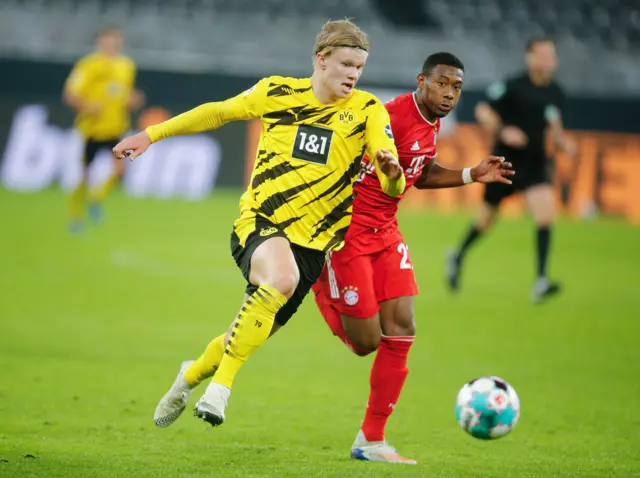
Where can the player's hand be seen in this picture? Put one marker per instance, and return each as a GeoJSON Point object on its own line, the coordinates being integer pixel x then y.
{"type": "Point", "coordinates": [93, 108]}
{"type": "Point", "coordinates": [132, 146]}
{"type": "Point", "coordinates": [136, 100]}
{"type": "Point", "coordinates": [569, 147]}
{"type": "Point", "coordinates": [493, 169]}
{"type": "Point", "coordinates": [389, 164]}
{"type": "Point", "coordinates": [513, 136]}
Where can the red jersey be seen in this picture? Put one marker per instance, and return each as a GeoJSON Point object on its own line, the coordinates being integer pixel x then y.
{"type": "Point", "coordinates": [415, 139]}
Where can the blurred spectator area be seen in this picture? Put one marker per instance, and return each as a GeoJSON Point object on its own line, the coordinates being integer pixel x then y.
{"type": "Point", "coordinates": [598, 40]}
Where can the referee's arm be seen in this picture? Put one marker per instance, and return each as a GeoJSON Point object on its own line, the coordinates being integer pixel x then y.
{"type": "Point", "coordinates": [488, 118]}
{"type": "Point", "coordinates": [557, 133]}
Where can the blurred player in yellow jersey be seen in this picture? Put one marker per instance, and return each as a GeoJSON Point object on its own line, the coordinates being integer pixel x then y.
{"type": "Point", "coordinates": [100, 88]}
{"type": "Point", "coordinates": [298, 206]}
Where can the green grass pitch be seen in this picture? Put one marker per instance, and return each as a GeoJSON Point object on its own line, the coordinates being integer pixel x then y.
{"type": "Point", "coordinates": [93, 329]}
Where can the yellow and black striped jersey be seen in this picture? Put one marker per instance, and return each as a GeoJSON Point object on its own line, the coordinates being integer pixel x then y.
{"type": "Point", "coordinates": [308, 155]}
{"type": "Point", "coordinates": [107, 81]}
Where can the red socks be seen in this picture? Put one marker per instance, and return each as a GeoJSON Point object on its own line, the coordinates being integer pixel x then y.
{"type": "Point", "coordinates": [388, 374]}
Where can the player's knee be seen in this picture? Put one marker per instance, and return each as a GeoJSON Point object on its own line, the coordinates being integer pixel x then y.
{"type": "Point", "coordinates": [486, 217]}
{"type": "Point", "coordinates": [363, 352]}
{"type": "Point", "coordinates": [284, 281]}
{"type": "Point", "coordinates": [366, 345]}
{"type": "Point", "coordinates": [544, 223]}
{"type": "Point", "coordinates": [544, 216]}
{"type": "Point", "coordinates": [402, 325]}
{"type": "Point", "coordinates": [485, 222]}
{"type": "Point", "coordinates": [365, 341]}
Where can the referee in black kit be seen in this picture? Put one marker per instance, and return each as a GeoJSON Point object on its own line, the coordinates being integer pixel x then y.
{"type": "Point", "coordinates": [518, 114]}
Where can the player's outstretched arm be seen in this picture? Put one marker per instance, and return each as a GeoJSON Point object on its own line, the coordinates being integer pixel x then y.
{"type": "Point", "coordinates": [490, 170]}
{"type": "Point", "coordinates": [203, 118]}
{"type": "Point", "coordinates": [557, 132]}
{"type": "Point", "coordinates": [206, 117]}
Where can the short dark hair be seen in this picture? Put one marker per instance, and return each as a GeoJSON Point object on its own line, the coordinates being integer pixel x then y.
{"type": "Point", "coordinates": [441, 58]}
{"type": "Point", "coordinates": [536, 40]}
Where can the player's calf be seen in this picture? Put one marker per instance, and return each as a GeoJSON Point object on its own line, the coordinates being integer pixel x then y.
{"type": "Point", "coordinates": [389, 369]}
{"type": "Point", "coordinates": [485, 219]}
{"type": "Point", "coordinates": [541, 202]}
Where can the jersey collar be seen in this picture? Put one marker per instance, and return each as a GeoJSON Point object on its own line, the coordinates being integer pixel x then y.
{"type": "Point", "coordinates": [415, 102]}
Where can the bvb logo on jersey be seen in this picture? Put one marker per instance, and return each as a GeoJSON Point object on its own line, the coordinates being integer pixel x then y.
{"type": "Point", "coordinates": [346, 117]}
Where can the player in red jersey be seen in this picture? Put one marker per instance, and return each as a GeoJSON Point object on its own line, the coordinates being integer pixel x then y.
{"type": "Point", "coordinates": [366, 290]}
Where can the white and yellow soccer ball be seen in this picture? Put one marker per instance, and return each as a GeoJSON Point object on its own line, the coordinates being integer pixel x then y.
{"type": "Point", "coordinates": [487, 408]}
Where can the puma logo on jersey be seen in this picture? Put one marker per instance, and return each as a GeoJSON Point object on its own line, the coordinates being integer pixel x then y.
{"type": "Point", "coordinates": [268, 231]}
{"type": "Point", "coordinates": [415, 147]}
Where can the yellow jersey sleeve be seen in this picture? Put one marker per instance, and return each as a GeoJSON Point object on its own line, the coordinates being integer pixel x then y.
{"type": "Point", "coordinates": [79, 78]}
{"type": "Point", "coordinates": [249, 104]}
{"type": "Point", "coordinates": [378, 135]}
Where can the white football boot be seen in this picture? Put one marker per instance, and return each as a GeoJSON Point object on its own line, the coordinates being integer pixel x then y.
{"type": "Point", "coordinates": [175, 400]}
{"type": "Point", "coordinates": [376, 451]}
{"type": "Point", "coordinates": [211, 405]}
{"type": "Point", "coordinates": [543, 289]}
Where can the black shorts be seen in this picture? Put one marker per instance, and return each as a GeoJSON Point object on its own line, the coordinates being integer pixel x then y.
{"type": "Point", "coordinates": [92, 148]}
{"type": "Point", "coordinates": [310, 264]}
{"type": "Point", "coordinates": [524, 178]}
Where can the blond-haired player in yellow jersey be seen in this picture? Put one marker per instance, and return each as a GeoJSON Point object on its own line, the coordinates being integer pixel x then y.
{"type": "Point", "coordinates": [314, 133]}
{"type": "Point", "coordinates": [101, 89]}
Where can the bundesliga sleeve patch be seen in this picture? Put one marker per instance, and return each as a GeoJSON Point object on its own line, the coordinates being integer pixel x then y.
{"type": "Point", "coordinates": [551, 113]}
{"type": "Point", "coordinates": [496, 90]}
{"type": "Point", "coordinates": [388, 132]}
{"type": "Point", "coordinates": [249, 91]}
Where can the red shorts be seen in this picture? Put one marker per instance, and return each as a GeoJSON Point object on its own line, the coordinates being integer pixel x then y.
{"type": "Point", "coordinates": [373, 266]}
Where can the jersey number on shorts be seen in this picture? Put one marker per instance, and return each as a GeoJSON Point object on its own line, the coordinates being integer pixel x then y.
{"type": "Point", "coordinates": [312, 144]}
{"type": "Point", "coordinates": [405, 261]}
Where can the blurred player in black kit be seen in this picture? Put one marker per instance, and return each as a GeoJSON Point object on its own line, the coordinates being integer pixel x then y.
{"type": "Point", "coordinates": [518, 114]}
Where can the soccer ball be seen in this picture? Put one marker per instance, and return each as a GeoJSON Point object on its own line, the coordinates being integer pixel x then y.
{"type": "Point", "coordinates": [487, 408]}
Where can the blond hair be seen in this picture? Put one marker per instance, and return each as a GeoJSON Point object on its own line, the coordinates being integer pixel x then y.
{"type": "Point", "coordinates": [340, 34]}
